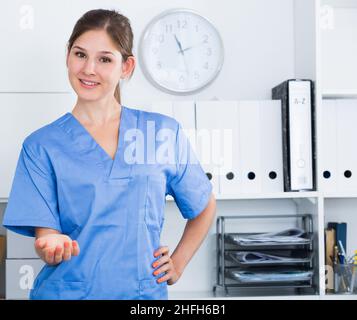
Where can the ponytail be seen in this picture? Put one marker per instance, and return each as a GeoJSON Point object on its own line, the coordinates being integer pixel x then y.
{"type": "Point", "coordinates": [117, 93]}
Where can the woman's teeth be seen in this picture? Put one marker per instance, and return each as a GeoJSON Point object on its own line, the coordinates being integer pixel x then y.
{"type": "Point", "coordinates": [89, 83]}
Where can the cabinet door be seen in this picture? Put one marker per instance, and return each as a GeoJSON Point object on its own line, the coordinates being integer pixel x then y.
{"type": "Point", "coordinates": [21, 114]}
{"type": "Point", "coordinates": [339, 49]}
{"type": "Point", "coordinates": [20, 275]}
{"type": "Point", "coordinates": [19, 246]}
{"type": "Point", "coordinates": [34, 38]}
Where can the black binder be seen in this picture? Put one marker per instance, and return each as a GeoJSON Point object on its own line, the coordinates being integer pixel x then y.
{"type": "Point", "coordinates": [282, 92]}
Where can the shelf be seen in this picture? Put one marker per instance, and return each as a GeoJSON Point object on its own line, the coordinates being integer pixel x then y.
{"type": "Point", "coordinates": [208, 295]}
{"type": "Point", "coordinates": [340, 195]}
{"type": "Point", "coordinates": [258, 196]}
{"type": "Point", "coordinates": [340, 95]}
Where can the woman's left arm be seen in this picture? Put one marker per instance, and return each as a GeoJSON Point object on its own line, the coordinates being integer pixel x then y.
{"type": "Point", "coordinates": [195, 232]}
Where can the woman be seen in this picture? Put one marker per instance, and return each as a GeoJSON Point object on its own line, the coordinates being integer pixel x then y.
{"type": "Point", "coordinates": [87, 188]}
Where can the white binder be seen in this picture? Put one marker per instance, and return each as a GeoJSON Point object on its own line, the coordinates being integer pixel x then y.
{"type": "Point", "coordinates": [163, 107]}
{"type": "Point", "coordinates": [229, 174]}
{"type": "Point", "coordinates": [300, 135]}
{"type": "Point", "coordinates": [346, 141]}
{"type": "Point", "coordinates": [249, 146]}
{"type": "Point", "coordinates": [328, 171]}
{"type": "Point", "coordinates": [207, 113]}
{"type": "Point", "coordinates": [271, 160]}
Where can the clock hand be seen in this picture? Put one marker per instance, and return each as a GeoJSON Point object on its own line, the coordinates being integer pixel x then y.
{"type": "Point", "coordinates": [188, 48]}
{"type": "Point", "coordinates": [179, 44]}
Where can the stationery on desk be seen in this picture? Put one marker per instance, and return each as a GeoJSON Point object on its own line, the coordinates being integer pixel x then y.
{"type": "Point", "coordinates": [340, 235]}
{"type": "Point", "coordinates": [344, 266]}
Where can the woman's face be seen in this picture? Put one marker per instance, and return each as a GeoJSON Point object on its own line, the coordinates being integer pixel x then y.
{"type": "Point", "coordinates": [95, 66]}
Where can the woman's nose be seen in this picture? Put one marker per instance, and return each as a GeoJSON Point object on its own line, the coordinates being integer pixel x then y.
{"type": "Point", "coordinates": [89, 66]}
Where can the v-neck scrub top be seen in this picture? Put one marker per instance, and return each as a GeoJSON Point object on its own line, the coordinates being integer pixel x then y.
{"type": "Point", "coordinates": [64, 180]}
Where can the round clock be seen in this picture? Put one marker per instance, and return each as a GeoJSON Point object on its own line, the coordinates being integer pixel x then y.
{"type": "Point", "coordinates": [180, 51]}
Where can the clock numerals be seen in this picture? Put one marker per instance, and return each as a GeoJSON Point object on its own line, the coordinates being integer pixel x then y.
{"type": "Point", "coordinates": [209, 51]}
{"type": "Point", "coordinates": [158, 65]}
{"type": "Point", "coordinates": [196, 75]}
{"type": "Point", "coordinates": [196, 28]}
{"type": "Point", "coordinates": [155, 50]}
{"type": "Point", "coordinates": [181, 24]}
{"type": "Point", "coordinates": [168, 28]}
{"type": "Point", "coordinates": [182, 79]}
{"type": "Point", "coordinates": [205, 38]}
{"type": "Point", "coordinates": [206, 66]}
{"type": "Point", "coordinates": [161, 38]}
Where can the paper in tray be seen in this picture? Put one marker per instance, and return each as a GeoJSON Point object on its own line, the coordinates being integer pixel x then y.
{"type": "Point", "coordinates": [270, 275]}
{"type": "Point", "coordinates": [287, 238]}
{"type": "Point", "coordinates": [262, 258]}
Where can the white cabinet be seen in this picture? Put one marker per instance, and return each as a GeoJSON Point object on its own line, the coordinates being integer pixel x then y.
{"type": "Point", "coordinates": [19, 246]}
{"type": "Point", "coordinates": [34, 51]}
{"type": "Point", "coordinates": [20, 275]}
{"type": "Point", "coordinates": [21, 114]}
{"type": "Point", "coordinates": [338, 47]}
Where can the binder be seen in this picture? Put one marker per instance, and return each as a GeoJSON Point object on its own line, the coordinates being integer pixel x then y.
{"type": "Point", "coordinates": [250, 147]}
{"type": "Point", "coordinates": [184, 113]}
{"type": "Point", "coordinates": [340, 235]}
{"type": "Point", "coordinates": [229, 174]}
{"type": "Point", "coordinates": [328, 172]}
{"type": "Point", "coordinates": [163, 107]}
{"type": "Point", "coordinates": [271, 161]}
{"type": "Point", "coordinates": [346, 140]}
{"type": "Point", "coordinates": [297, 102]}
{"type": "Point", "coordinates": [207, 121]}
{"type": "Point", "coordinates": [330, 242]}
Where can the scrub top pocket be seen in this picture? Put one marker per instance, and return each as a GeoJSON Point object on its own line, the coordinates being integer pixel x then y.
{"type": "Point", "coordinates": [155, 201]}
{"type": "Point", "coordinates": [150, 290]}
{"type": "Point", "coordinates": [58, 289]}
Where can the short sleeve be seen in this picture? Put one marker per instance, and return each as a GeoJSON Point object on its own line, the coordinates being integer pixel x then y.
{"type": "Point", "coordinates": [33, 197]}
{"type": "Point", "coordinates": [190, 186]}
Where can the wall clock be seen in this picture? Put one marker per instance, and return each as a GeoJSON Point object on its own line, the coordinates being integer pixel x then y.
{"type": "Point", "coordinates": [180, 51]}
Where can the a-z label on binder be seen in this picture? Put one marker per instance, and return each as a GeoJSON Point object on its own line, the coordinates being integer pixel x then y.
{"type": "Point", "coordinates": [298, 133]}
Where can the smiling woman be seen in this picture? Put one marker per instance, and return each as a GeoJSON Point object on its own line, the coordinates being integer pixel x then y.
{"type": "Point", "coordinates": [89, 67]}
{"type": "Point", "coordinates": [96, 211]}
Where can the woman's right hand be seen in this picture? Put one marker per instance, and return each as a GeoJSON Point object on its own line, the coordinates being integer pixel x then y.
{"type": "Point", "coordinates": [54, 248]}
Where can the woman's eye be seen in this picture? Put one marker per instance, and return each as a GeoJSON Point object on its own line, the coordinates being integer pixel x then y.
{"type": "Point", "coordinates": [105, 59]}
{"type": "Point", "coordinates": [80, 54]}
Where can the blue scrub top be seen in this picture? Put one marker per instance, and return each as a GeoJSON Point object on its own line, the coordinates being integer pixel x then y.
{"type": "Point", "coordinates": [64, 180]}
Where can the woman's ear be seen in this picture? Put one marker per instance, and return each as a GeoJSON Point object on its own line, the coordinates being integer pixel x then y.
{"type": "Point", "coordinates": [128, 67]}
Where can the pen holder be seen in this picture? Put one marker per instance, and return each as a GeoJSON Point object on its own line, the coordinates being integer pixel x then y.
{"type": "Point", "coordinates": [345, 278]}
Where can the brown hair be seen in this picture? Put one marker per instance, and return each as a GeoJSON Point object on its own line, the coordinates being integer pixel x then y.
{"type": "Point", "coordinates": [117, 27]}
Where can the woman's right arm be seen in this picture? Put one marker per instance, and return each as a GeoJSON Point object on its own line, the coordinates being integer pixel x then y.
{"type": "Point", "coordinates": [53, 247]}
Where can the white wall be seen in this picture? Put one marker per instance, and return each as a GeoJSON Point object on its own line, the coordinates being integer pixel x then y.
{"type": "Point", "coordinates": [258, 36]}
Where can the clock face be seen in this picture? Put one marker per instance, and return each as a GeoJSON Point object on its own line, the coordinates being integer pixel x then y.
{"type": "Point", "coordinates": [180, 51]}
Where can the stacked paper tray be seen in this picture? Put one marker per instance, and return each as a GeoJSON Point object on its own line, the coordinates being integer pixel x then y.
{"type": "Point", "coordinates": [232, 239]}
{"type": "Point", "coordinates": [269, 258]}
{"type": "Point", "coordinates": [272, 276]}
